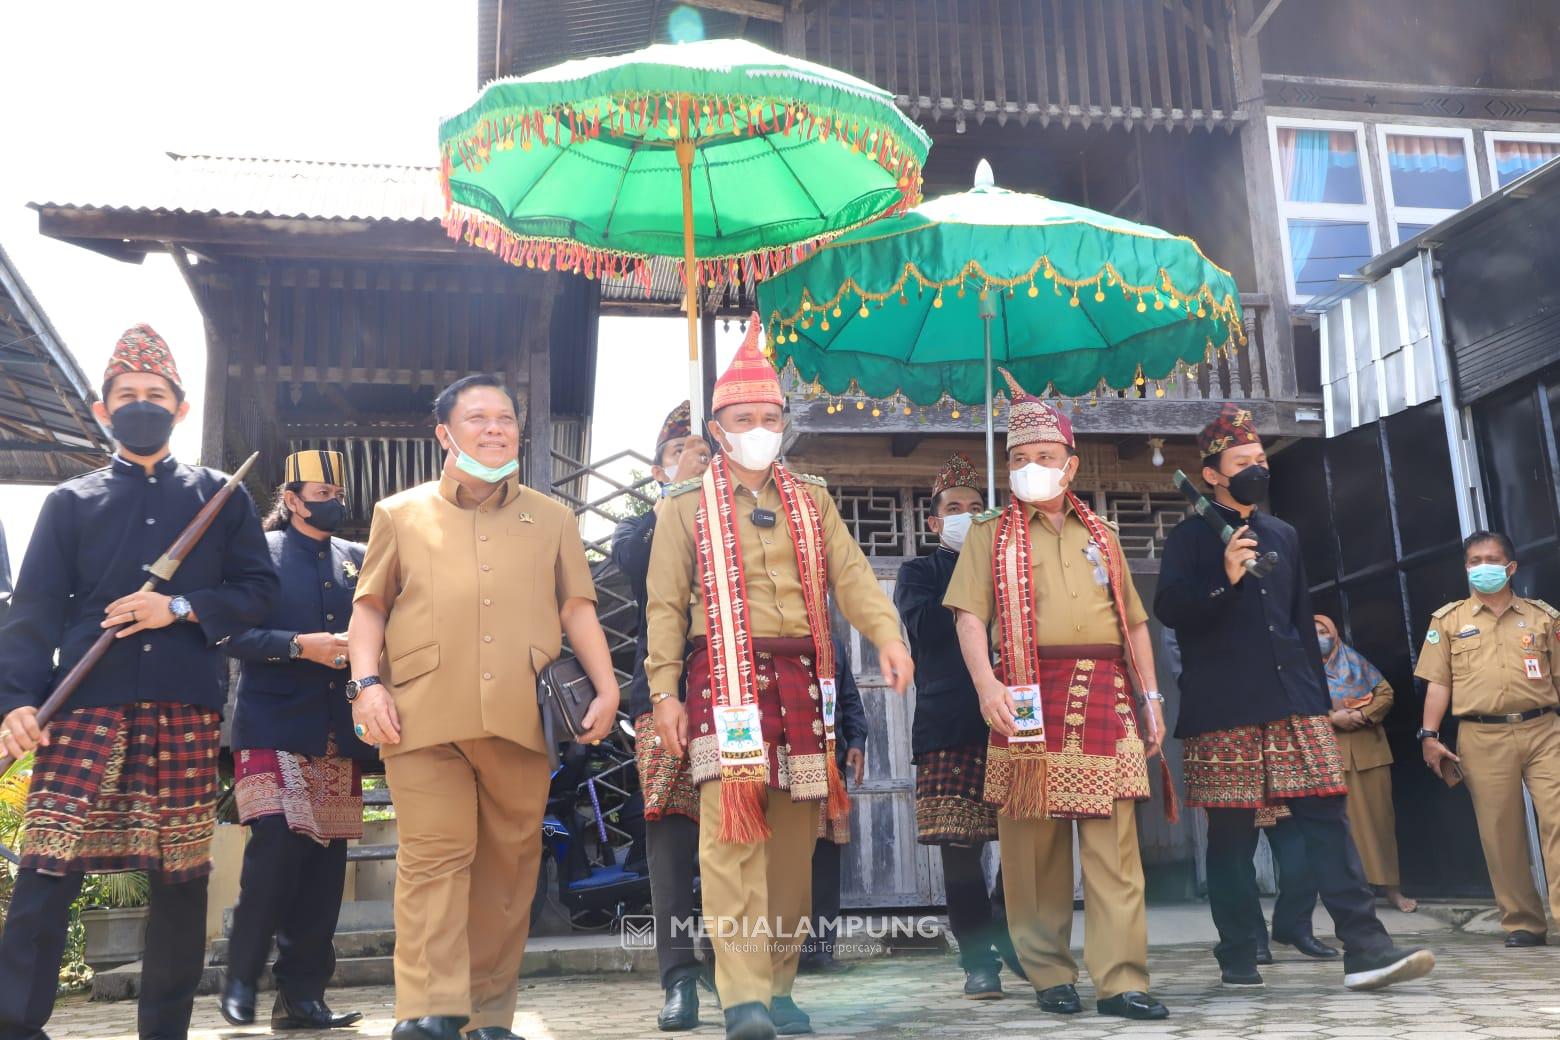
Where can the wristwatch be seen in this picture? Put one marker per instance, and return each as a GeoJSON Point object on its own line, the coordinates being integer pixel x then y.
{"type": "Point", "coordinates": [180, 608]}
{"type": "Point", "coordinates": [294, 650]}
{"type": "Point", "coordinates": [357, 686]}
{"type": "Point", "coordinates": [657, 698]}
{"type": "Point", "coordinates": [1150, 695]}
{"type": "Point", "coordinates": [1430, 734]}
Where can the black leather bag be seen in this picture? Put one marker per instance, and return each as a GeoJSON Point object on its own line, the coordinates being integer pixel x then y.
{"type": "Point", "coordinates": [563, 694]}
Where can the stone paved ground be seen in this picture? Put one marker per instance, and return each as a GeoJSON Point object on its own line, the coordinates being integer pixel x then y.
{"type": "Point", "coordinates": [1479, 989]}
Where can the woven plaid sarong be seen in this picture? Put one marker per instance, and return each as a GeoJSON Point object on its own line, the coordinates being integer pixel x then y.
{"type": "Point", "coordinates": [1259, 767]}
{"type": "Point", "coordinates": [663, 777]}
{"type": "Point", "coordinates": [125, 788]}
{"type": "Point", "coordinates": [321, 796]}
{"type": "Point", "coordinates": [949, 809]}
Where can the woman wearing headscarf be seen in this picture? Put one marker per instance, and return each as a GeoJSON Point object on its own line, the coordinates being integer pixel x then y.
{"type": "Point", "coordinates": [1361, 698]}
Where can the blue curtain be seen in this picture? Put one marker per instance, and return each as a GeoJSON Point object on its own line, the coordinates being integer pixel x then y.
{"type": "Point", "coordinates": [1308, 183]}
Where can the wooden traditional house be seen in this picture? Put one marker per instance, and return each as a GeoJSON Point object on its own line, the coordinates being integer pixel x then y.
{"type": "Point", "coordinates": [1293, 139]}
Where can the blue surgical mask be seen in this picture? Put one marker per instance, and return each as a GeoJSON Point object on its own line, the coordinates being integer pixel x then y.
{"type": "Point", "coordinates": [1326, 643]}
{"type": "Point", "coordinates": [487, 474]}
{"type": "Point", "coordinates": [1488, 578]}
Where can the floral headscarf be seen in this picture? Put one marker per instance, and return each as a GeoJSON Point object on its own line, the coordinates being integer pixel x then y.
{"type": "Point", "coordinates": [1350, 678]}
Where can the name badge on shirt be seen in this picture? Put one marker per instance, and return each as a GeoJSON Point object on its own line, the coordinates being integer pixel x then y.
{"type": "Point", "coordinates": [830, 692]}
{"type": "Point", "coordinates": [1535, 668]}
{"type": "Point", "coordinates": [1028, 723]}
{"type": "Point", "coordinates": [739, 730]}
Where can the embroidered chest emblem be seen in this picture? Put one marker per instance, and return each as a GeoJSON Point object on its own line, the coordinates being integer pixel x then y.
{"type": "Point", "coordinates": [1096, 558]}
{"type": "Point", "coordinates": [350, 569]}
{"type": "Point", "coordinates": [525, 518]}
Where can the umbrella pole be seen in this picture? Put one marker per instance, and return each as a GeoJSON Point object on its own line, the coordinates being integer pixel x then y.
{"type": "Point", "coordinates": [988, 311]}
{"type": "Point", "coordinates": [684, 149]}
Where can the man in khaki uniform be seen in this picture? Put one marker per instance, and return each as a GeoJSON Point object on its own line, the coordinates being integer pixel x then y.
{"type": "Point", "coordinates": [741, 569]}
{"type": "Point", "coordinates": [1064, 619]}
{"type": "Point", "coordinates": [467, 588]}
{"type": "Point", "coordinates": [1492, 660]}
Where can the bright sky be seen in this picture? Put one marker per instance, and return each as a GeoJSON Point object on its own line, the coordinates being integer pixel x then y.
{"type": "Point", "coordinates": [96, 92]}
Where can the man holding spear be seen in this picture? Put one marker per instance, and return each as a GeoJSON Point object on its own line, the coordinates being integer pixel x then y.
{"type": "Point", "coordinates": [125, 777]}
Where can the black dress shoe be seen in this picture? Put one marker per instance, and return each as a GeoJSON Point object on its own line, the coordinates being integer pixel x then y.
{"type": "Point", "coordinates": [1060, 1000]}
{"type": "Point", "coordinates": [749, 1021]}
{"type": "Point", "coordinates": [681, 1010]}
{"type": "Point", "coordinates": [1241, 978]}
{"type": "Point", "coordinates": [307, 1014]}
{"type": "Point", "coordinates": [493, 1033]}
{"type": "Point", "coordinates": [1264, 955]}
{"type": "Point", "coordinates": [1382, 968]}
{"type": "Point", "coordinates": [982, 983]}
{"type": "Point", "coordinates": [1522, 940]}
{"type": "Point", "coordinates": [788, 1019]}
{"type": "Point", "coordinates": [430, 1027]}
{"type": "Point", "coordinates": [1134, 1004]}
{"type": "Point", "coordinates": [238, 1002]}
{"type": "Point", "coordinates": [1311, 946]}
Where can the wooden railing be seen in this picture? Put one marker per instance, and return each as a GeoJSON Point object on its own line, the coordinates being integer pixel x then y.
{"type": "Point", "coordinates": [1128, 62]}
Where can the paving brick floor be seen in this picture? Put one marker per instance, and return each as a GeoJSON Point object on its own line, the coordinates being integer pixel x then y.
{"type": "Point", "coordinates": [1479, 989]}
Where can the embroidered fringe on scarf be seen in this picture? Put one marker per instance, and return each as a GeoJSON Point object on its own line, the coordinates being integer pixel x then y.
{"type": "Point", "coordinates": [1020, 657]}
{"type": "Point", "coordinates": [744, 768]}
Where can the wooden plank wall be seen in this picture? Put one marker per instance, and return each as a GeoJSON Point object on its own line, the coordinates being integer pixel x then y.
{"type": "Point", "coordinates": [355, 334]}
{"type": "Point", "coordinates": [1155, 62]}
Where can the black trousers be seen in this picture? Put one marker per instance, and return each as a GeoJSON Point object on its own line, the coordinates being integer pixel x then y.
{"type": "Point", "coordinates": [1296, 901]}
{"type": "Point", "coordinates": [1330, 852]}
{"type": "Point", "coordinates": [290, 890]}
{"type": "Point", "coordinates": [33, 944]}
{"type": "Point", "coordinates": [672, 850]}
{"type": "Point", "coordinates": [976, 914]}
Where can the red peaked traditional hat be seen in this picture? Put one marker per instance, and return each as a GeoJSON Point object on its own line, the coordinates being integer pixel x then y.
{"type": "Point", "coordinates": [750, 378]}
{"type": "Point", "coordinates": [140, 349]}
{"type": "Point", "coordinates": [1032, 421]}
{"type": "Point", "coordinates": [1232, 428]}
{"type": "Point", "coordinates": [958, 471]}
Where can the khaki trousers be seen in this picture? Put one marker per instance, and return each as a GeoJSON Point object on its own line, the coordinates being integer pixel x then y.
{"type": "Point", "coordinates": [470, 819]}
{"type": "Point", "coordinates": [1373, 823]}
{"type": "Point", "coordinates": [1496, 759]}
{"type": "Point", "coordinates": [767, 881]}
{"type": "Point", "coordinates": [1037, 881]}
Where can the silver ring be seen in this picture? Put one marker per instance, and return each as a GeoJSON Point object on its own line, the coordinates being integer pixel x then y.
{"type": "Point", "coordinates": [340, 660]}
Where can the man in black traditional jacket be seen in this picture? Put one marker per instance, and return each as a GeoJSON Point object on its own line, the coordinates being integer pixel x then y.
{"type": "Point", "coordinates": [126, 777]}
{"type": "Point", "coordinates": [671, 801]}
{"type": "Point", "coordinates": [297, 762]}
{"type": "Point", "coordinates": [1254, 715]}
{"type": "Point", "coordinates": [948, 739]}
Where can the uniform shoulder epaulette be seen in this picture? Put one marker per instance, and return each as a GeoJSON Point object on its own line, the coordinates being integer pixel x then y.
{"type": "Point", "coordinates": [1545, 607]}
{"type": "Point", "coordinates": [809, 478]}
{"type": "Point", "coordinates": [682, 487]}
{"type": "Point", "coordinates": [1446, 609]}
{"type": "Point", "coordinates": [1113, 525]}
{"type": "Point", "coordinates": [990, 514]}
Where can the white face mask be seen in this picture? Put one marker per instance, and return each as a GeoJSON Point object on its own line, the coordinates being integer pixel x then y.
{"type": "Point", "coordinates": [755, 449]}
{"type": "Point", "coordinates": [954, 529]}
{"type": "Point", "coordinates": [1036, 483]}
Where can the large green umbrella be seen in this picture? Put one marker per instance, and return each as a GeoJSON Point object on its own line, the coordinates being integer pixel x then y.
{"type": "Point", "coordinates": [1070, 299]}
{"type": "Point", "coordinates": [730, 156]}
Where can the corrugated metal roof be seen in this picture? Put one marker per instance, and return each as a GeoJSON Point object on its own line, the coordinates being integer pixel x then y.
{"type": "Point", "coordinates": [282, 188]}
{"type": "Point", "coordinates": [47, 431]}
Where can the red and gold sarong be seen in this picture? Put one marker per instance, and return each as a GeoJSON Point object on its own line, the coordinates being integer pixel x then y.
{"type": "Point", "coordinates": [664, 781]}
{"type": "Point", "coordinates": [1259, 767]}
{"type": "Point", "coordinates": [125, 788]}
{"type": "Point", "coordinates": [321, 796]}
{"type": "Point", "coordinates": [949, 797]}
{"type": "Point", "coordinates": [1093, 754]}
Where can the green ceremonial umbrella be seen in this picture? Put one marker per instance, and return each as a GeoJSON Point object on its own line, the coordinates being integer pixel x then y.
{"type": "Point", "coordinates": [1070, 299]}
{"type": "Point", "coordinates": [730, 156]}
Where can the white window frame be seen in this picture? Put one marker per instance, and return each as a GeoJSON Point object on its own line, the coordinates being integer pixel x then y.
{"type": "Point", "coordinates": [1353, 213]}
{"type": "Point", "coordinates": [1416, 214]}
{"type": "Point", "coordinates": [1491, 136]}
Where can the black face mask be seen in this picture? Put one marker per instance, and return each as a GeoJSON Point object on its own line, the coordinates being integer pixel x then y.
{"type": "Point", "coordinates": [1250, 486]}
{"type": "Point", "coordinates": [141, 427]}
{"type": "Point", "coordinates": [327, 515]}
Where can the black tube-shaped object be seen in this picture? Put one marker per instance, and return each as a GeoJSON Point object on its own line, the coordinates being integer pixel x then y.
{"type": "Point", "coordinates": [1260, 566]}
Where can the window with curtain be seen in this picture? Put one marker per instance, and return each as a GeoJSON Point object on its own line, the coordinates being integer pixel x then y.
{"type": "Point", "coordinates": [1428, 174]}
{"type": "Point", "coordinates": [1323, 201]}
{"type": "Point", "coordinates": [1512, 157]}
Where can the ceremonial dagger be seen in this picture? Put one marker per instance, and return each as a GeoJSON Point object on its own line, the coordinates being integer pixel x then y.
{"type": "Point", "coordinates": [163, 570]}
{"type": "Point", "coordinates": [1258, 567]}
